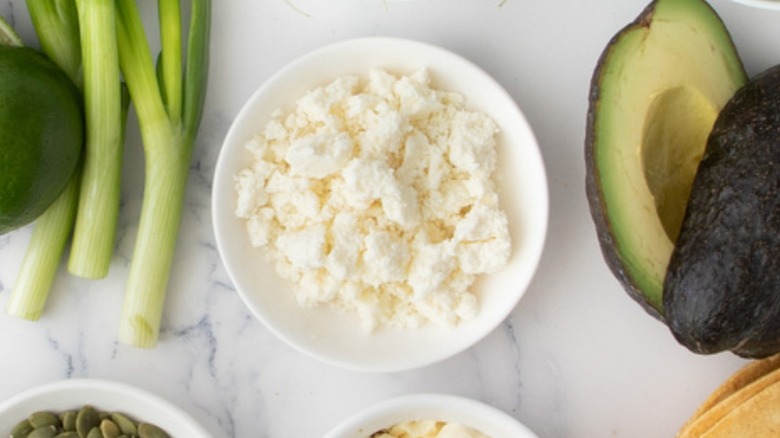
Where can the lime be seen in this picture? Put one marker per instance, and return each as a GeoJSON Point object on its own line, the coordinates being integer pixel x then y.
{"type": "Point", "coordinates": [41, 134]}
{"type": "Point", "coordinates": [8, 36]}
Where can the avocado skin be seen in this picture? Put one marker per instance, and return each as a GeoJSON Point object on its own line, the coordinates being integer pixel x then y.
{"type": "Point", "coordinates": [598, 210]}
{"type": "Point", "coordinates": [722, 286]}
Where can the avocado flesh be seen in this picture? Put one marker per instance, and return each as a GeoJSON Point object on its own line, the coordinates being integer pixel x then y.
{"type": "Point", "coordinates": [722, 290]}
{"type": "Point", "coordinates": [655, 95]}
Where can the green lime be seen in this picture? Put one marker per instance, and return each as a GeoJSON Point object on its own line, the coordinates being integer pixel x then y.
{"type": "Point", "coordinates": [41, 134]}
{"type": "Point", "coordinates": [8, 36]}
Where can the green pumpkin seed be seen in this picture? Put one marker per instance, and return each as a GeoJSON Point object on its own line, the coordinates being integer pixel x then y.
{"type": "Point", "coordinates": [43, 418]}
{"type": "Point", "coordinates": [86, 420]}
{"type": "Point", "coordinates": [68, 420]}
{"type": "Point", "coordinates": [21, 430]}
{"type": "Point", "coordinates": [109, 429]}
{"type": "Point", "coordinates": [146, 430]}
{"type": "Point", "coordinates": [126, 425]}
{"type": "Point", "coordinates": [43, 432]}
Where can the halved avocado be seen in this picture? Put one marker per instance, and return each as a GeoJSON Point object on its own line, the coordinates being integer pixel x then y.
{"type": "Point", "coordinates": [655, 94]}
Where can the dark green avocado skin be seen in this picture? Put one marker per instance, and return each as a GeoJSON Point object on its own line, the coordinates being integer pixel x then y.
{"type": "Point", "coordinates": [722, 286]}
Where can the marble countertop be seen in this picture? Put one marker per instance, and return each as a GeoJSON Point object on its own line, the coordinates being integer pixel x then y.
{"type": "Point", "coordinates": [577, 357]}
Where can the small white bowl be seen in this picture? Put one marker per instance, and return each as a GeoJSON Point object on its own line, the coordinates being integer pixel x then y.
{"type": "Point", "coordinates": [104, 396]}
{"type": "Point", "coordinates": [762, 4]}
{"type": "Point", "coordinates": [327, 334]}
{"type": "Point", "coordinates": [440, 407]}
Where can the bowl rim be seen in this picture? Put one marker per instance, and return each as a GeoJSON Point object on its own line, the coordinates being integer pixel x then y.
{"type": "Point", "coordinates": [479, 415]}
{"type": "Point", "coordinates": [535, 244]}
{"type": "Point", "coordinates": [761, 4]}
{"type": "Point", "coordinates": [56, 390]}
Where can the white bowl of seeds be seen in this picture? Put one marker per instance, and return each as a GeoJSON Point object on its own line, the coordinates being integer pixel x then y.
{"type": "Point", "coordinates": [84, 404]}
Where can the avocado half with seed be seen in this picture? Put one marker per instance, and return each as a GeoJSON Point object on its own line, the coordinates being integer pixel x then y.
{"type": "Point", "coordinates": [655, 94]}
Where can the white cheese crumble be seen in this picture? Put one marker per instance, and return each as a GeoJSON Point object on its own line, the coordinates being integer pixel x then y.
{"type": "Point", "coordinates": [376, 197]}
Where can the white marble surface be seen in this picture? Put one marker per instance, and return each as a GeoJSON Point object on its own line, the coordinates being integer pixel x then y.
{"type": "Point", "coordinates": [576, 358]}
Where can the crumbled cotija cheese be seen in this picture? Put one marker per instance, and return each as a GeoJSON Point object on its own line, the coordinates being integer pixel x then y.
{"type": "Point", "coordinates": [376, 197]}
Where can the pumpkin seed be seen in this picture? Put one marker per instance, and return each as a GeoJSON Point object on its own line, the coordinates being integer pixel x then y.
{"type": "Point", "coordinates": [43, 432]}
{"type": "Point", "coordinates": [87, 419]}
{"type": "Point", "coordinates": [68, 420]}
{"type": "Point", "coordinates": [21, 430]}
{"type": "Point", "coordinates": [146, 430]}
{"type": "Point", "coordinates": [109, 429]}
{"type": "Point", "coordinates": [94, 433]}
{"type": "Point", "coordinates": [67, 434]}
{"type": "Point", "coordinates": [126, 425]}
{"type": "Point", "coordinates": [43, 418]}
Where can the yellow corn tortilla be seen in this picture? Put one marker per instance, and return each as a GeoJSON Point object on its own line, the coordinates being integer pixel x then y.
{"type": "Point", "coordinates": [740, 387]}
{"type": "Point", "coordinates": [757, 417]}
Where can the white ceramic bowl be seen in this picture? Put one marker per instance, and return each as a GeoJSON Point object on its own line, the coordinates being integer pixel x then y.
{"type": "Point", "coordinates": [103, 395]}
{"type": "Point", "coordinates": [762, 4]}
{"type": "Point", "coordinates": [440, 407]}
{"type": "Point", "coordinates": [327, 334]}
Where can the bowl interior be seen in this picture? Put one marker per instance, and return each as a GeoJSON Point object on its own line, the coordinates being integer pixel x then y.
{"type": "Point", "coordinates": [441, 407]}
{"type": "Point", "coordinates": [103, 395]}
{"type": "Point", "coordinates": [332, 336]}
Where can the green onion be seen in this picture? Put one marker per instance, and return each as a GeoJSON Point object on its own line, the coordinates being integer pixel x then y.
{"type": "Point", "coordinates": [94, 235]}
{"type": "Point", "coordinates": [106, 37]}
{"type": "Point", "coordinates": [169, 108]}
{"type": "Point", "coordinates": [56, 25]}
{"type": "Point", "coordinates": [44, 252]}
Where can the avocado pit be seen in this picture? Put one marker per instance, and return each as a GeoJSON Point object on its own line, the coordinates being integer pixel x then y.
{"type": "Point", "coordinates": [675, 134]}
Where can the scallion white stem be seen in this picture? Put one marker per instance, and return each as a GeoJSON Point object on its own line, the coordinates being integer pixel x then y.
{"type": "Point", "coordinates": [93, 240]}
{"type": "Point", "coordinates": [44, 253]}
{"type": "Point", "coordinates": [169, 108]}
